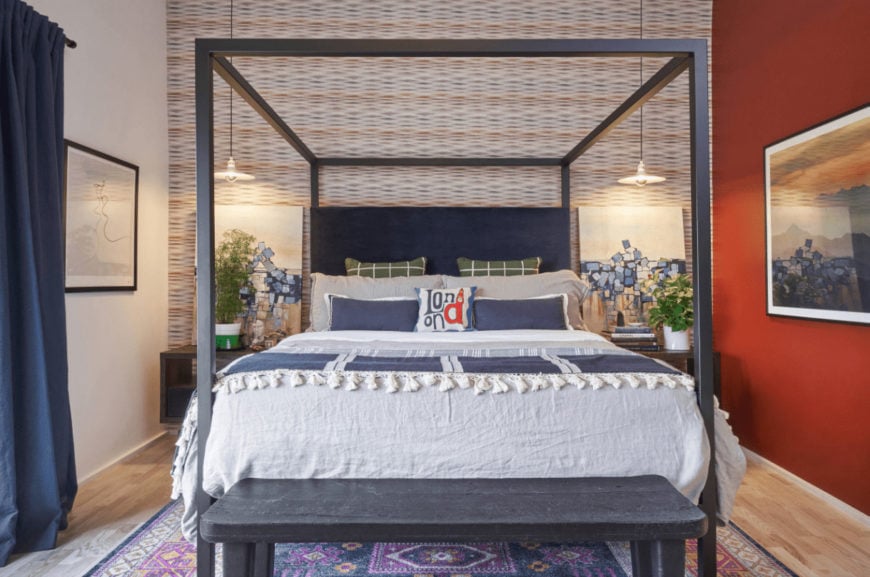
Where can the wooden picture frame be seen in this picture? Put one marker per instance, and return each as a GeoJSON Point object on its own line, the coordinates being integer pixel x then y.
{"type": "Point", "coordinates": [817, 204]}
{"type": "Point", "coordinates": [101, 201]}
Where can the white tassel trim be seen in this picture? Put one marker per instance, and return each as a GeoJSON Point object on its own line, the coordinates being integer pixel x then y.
{"type": "Point", "coordinates": [496, 383]}
{"type": "Point", "coordinates": [186, 436]}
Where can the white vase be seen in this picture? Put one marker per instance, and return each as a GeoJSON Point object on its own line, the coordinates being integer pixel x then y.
{"type": "Point", "coordinates": [676, 340]}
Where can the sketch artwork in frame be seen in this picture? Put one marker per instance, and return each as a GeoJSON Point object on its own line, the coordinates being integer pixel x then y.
{"type": "Point", "coordinates": [817, 194]}
{"type": "Point", "coordinates": [100, 212]}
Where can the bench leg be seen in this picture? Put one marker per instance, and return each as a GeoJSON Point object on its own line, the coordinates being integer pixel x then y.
{"type": "Point", "coordinates": [264, 560]}
{"type": "Point", "coordinates": [249, 559]}
{"type": "Point", "coordinates": [239, 559]}
{"type": "Point", "coordinates": [658, 558]}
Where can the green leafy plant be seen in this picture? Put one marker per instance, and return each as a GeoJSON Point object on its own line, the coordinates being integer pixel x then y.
{"type": "Point", "coordinates": [231, 261]}
{"type": "Point", "coordinates": [674, 306]}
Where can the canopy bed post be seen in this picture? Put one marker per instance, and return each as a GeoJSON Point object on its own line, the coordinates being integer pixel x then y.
{"type": "Point", "coordinates": [315, 184]}
{"type": "Point", "coordinates": [702, 260]}
{"type": "Point", "coordinates": [566, 186]}
{"type": "Point", "coordinates": [205, 331]}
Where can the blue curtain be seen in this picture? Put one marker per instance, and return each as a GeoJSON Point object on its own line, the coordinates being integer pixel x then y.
{"type": "Point", "coordinates": [37, 465]}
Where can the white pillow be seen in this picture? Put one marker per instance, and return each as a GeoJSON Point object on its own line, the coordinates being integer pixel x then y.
{"type": "Point", "coordinates": [358, 287]}
{"type": "Point", "coordinates": [528, 286]}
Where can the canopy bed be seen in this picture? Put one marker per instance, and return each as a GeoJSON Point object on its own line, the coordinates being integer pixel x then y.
{"type": "Point", "coordinates": [442, 234]}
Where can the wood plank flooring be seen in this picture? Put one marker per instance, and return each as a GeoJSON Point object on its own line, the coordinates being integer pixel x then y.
{"type": "Point", "coordinates": [811, 537]}
{"type": "Point", "coordinates": [800, 529]}
{"type": "Point", "coordinates": [108, 507]}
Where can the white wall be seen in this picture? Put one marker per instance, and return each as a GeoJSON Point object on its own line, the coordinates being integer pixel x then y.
{"type": "Point", "coordinates": [116, 103]}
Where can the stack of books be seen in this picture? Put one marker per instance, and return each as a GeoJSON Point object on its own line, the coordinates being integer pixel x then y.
{"type": "Point", "coordinates": [635, 338]}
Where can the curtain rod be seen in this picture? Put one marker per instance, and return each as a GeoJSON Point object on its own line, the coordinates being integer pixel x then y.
{"type": "Point", "coordinates": [70, 43]}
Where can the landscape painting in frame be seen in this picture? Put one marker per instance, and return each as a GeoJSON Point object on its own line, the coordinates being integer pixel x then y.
{"type": "Point", "coordinates": [100, 203]}
{"type": "Point", "coordinates": [818, 221]}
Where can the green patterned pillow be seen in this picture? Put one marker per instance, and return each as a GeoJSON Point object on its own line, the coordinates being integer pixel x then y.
{"type": "Point", "coordinates": [416, 267]}
{"type": "Point", "coordinates": [469, 267]}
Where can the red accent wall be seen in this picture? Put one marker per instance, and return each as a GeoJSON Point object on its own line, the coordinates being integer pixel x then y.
{"type": "Point", "coordinates": [798, 390]}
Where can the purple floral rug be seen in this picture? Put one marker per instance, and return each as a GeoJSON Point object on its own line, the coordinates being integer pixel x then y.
{"type": "Point", "coordinates": [157, 549]}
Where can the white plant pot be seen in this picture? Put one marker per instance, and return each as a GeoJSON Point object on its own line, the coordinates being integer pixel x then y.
{"type": "Point", "coordinates": [676, 340]}
{"type": "Point", "coordinates": [227, 335]}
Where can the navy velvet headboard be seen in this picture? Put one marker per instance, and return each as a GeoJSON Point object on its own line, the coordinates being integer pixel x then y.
{"type": "Point", "coordinates": [440, 234]}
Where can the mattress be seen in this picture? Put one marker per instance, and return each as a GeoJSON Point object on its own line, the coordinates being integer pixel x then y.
{"type": "Point", "coordinates": [335, 419]}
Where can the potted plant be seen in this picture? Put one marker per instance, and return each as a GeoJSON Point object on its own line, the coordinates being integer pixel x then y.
{"type": "Point", "coordinates": [231, 274]}
{"type": "Point", "coordinates": [674, 310]}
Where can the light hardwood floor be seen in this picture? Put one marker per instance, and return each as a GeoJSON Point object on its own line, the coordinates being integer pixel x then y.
{"type": "Point", "coordinates": [108, 507]}
{"type": "Point", "coordinates": [811, 537]}
{"type": "Point", "coordinates": [803, 531]}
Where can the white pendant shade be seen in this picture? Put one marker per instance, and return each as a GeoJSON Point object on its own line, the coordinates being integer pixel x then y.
{"type": "Point", "coordinates": [641, 178]}
{"type": "Point", "coordinates": [231, 174]}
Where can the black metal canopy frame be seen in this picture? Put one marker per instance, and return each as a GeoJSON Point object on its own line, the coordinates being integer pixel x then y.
{"type": "Point", "coordinates": [212, 55]}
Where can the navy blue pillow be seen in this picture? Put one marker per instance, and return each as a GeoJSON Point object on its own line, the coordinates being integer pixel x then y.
{"type": "Point", "coordinates": [504, 314]}
{"type": "Point", "coordinates": [349, 314]}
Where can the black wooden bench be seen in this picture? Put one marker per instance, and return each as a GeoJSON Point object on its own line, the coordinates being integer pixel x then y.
{"type": "Point", "coordinates": [647, 511]}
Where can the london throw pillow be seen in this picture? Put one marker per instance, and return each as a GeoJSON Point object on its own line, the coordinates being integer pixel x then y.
{"type": "Point", "coordinates": [444, 309]}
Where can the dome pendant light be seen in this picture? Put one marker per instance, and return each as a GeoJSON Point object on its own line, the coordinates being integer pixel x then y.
{"type": "Point", "coordinates": [641, 177]}
{"type": "Point", "coordinates": [231, 174]}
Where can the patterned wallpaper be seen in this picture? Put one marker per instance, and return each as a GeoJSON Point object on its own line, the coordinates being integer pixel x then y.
{"type": "Point", "coordinates": [424, 107]}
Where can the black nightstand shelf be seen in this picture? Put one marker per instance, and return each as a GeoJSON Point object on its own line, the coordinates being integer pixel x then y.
{"type": "Point", "coordinates": [178, 379]}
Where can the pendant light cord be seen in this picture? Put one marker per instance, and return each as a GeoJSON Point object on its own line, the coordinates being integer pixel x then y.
{"type": "Point", "coordinates": [231, 89]}
{"type": "Point", "coordinates": [641, 81]}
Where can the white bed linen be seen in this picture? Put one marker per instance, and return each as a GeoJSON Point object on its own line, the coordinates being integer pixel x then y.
{"type": "Point", "coordinates": [316, 431]}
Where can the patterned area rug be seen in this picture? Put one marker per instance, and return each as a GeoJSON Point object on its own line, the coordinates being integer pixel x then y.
{"type": "Point", "coordinates": [157, 549]}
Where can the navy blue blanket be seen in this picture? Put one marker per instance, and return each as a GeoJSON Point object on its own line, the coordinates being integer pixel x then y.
{"type": "Point", "coordinates": [534, 369]}
{"type": "Point", "coordinates": [541, 364]}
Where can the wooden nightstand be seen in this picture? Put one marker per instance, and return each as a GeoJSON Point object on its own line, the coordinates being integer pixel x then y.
{"type": "Point", "coordinates": [178, 379]}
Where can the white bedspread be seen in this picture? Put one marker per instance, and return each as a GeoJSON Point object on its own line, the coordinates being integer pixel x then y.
{"type": "Point", "coordinates": [316, 431]}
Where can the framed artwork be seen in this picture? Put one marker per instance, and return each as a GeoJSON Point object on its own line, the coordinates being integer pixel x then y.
{"type": "Point", "coordinates": [817, 200]}
{"type": "Point", "coordinates": [275, 295]}
{"type": "Point", "coordinates": [101, 195]}
{"type": "Point", "coordinates": [624, 252]}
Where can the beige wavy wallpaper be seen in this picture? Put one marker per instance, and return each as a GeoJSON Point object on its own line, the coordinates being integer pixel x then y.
{"type": "Point", "coordinates": [425, 107]}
